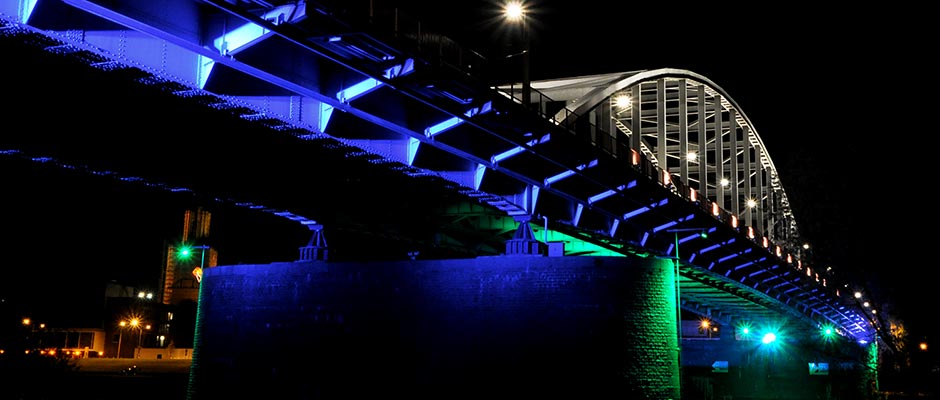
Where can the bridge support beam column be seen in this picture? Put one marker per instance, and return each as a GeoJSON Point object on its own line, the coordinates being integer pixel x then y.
{"type": "Point", "coordinates": [316, 248]}
{"type": "Point", "coordinates": [523, 242]}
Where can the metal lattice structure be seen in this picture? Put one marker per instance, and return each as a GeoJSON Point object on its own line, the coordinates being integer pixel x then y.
{"type": "Point", "coordinates": [635, 178]}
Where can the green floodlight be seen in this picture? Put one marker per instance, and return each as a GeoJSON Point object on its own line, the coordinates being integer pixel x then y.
{"type": "Point", "coordinates": [828, 333]}
{"type": "Point", "coordinates": [769, 338]}
{"type": "Point", "coordinates": [744, 329]}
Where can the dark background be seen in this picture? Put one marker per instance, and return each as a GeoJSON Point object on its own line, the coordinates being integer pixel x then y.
{"type": "Point", "coordinates": [839, 97]}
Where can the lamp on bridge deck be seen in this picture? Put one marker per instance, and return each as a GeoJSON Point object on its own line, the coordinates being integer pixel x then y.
{"type": "Point", "coordinates": [515, 11]}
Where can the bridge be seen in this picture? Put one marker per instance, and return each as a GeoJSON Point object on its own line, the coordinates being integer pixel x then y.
{"type": "Point", "coordinates": [653, 163]}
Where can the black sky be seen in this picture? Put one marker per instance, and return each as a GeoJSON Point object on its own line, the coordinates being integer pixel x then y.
{"type": "Point", "coordinates": [839, 97]}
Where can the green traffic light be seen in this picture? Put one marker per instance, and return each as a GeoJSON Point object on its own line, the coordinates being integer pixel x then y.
{"type": "Point", "coordinates": [185, 252]}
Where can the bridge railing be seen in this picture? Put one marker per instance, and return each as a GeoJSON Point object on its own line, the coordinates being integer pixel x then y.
{"type": "Point", "coordinates": [385, 20]}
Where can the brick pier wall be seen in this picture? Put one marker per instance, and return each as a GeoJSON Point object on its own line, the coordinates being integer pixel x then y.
{"type": "Point", "coordinates": [492, 327]}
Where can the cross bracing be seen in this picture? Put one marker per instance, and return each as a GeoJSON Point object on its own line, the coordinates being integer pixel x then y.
{"type": "Point", "coordinates": [622, 179]}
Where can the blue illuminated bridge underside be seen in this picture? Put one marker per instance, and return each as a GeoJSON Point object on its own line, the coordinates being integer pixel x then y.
{"type": "Point", "coordinates": [624, 164]}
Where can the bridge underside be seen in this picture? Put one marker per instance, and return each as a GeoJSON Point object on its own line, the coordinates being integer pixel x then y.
{"type": "Point", "coordinates": [384, 183]}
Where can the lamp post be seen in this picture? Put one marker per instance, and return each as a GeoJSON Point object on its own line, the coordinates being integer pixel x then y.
{"type": "Point", "coordinates": [186, 252]}
{"type": "Point", "coordinates": [121, 326]}
{"type": "Point", "coordinates": [702, 233]}
{"type": "Point", "coordinates": [515, 11]}
{"type": "Point", "coordinates": [135, 322]}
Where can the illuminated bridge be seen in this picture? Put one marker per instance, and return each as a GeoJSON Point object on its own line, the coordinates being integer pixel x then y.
{"type": "Point", "coordinates": [650, 164]}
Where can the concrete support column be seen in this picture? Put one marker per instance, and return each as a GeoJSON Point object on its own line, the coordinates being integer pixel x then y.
{"type": "Point", "coordinates": [652, 330]}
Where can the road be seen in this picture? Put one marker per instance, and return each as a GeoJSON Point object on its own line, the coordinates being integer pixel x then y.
{"type": "Point", "coordinates": [153, 379]}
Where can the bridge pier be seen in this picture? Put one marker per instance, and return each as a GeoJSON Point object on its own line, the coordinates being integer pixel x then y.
{"type": "Point", "coordinates": [490, 327]}
{"type": "Point", "coordinates": [523, 241]}
{"type": "Point", "coordinates": [316, 248]}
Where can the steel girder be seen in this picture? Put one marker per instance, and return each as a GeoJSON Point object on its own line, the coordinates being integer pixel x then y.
{"type": "Point", "coordinates": [619, 178]}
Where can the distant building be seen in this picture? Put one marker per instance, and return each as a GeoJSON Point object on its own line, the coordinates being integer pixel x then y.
{"type": "Point", "coordinates": [181, 274]}
{"type": "Point", "coordinates": [142, 324]}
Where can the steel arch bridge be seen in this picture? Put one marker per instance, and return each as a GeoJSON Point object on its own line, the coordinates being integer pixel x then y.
{"type": "Point", "coordinates": [637, 163]}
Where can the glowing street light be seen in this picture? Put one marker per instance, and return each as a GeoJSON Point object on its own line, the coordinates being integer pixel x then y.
{"type": "Point", "coordinates": [121, 326]}
{"type": "Point", "coordinates": [135, 323]}
{"type": "Point", "coordinates": [515, 11]}
{"type": "Point", "coordinates": [187, 251]}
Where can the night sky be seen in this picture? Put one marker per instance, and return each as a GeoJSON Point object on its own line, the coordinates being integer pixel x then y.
{"type": "Point", "coordinates": [836, 97]}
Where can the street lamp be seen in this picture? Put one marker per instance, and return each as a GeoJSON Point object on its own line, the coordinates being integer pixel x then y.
{"type": "Point", "coordinates": [138, 324]}
{"type": "Point", "coordinates": [187, 251]}
{"type": "Point", "coordinates": [703, 234]}
{"type": "Point", "coordinates": [135, 322]}
{"type": "Point", "coordinates": [121, 326]}
{"type": "Point", "coordinates": [515, 11]}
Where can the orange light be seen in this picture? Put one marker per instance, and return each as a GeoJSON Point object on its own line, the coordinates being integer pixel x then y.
{"type": "Point", "coordinates": [734, 221]}
{"type": "Point", "coordinates": [197, 272]}
{"type": "Point", "coordinates": [692, 195]}
{"type": "Point", "coordinates": [715, 210]}
{"type": "Point", "coordinates": [923, 346]}
{"type": "Point", "coordinates": [635, 157]}
{"type": "Point", "coordinates": [666, 178]}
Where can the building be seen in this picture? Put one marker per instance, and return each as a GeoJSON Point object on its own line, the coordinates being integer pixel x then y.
{"type": "Point", "coordinates": [184, 263]}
